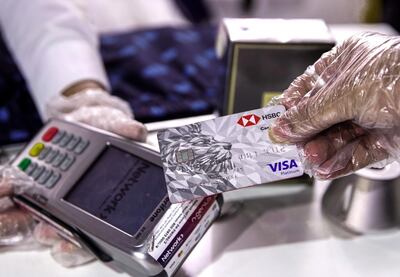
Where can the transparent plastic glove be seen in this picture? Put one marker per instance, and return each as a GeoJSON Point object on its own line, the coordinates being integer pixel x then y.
{"type": "Point", "coordinates": [97, 108]}
{"type": "Point", "coordinates": [62, 251]}
{"type": "Point", "coordinates": [344, 111]}
{"type": "Point", "coordinates": [18, 228]}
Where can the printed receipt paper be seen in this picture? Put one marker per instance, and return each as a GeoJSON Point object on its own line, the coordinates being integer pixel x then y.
{"type": "Point", "coordinates": [225, 153]}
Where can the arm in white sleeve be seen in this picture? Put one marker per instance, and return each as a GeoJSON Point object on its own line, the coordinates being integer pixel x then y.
{"type": "Point", "coordinates": [53, 45]}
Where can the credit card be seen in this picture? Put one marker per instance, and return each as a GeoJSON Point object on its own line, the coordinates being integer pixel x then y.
{"type": "Point", "coordinates": [225, 153]}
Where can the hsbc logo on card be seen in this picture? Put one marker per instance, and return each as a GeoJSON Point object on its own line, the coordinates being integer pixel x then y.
{"type": "Point", "coordinates": [252, 119]}
{"type": "Point", "coordinates": [248, 120]}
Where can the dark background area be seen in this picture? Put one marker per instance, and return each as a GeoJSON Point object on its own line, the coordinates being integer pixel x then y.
{"type": "Point", "coordinates": [163, 73]}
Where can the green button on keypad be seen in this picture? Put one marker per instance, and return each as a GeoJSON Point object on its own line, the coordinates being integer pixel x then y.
{"type": "Point", "coordinates": [23, 165]}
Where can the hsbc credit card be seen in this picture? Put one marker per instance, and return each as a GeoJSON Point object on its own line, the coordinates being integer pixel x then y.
{"type": "Point", "coordinates": [225, 153]}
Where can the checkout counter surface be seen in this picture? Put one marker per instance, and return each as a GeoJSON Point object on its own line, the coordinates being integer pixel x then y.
{"type": "Point", "coordinates": [276, 231]}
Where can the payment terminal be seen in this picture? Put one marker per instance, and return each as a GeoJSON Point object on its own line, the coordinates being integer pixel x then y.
{"type": "Point", "coordinates": [107, 194]}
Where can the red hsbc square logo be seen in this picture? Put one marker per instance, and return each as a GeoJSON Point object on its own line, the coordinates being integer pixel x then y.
{"type": "Point", "coordinates": [248, 120]}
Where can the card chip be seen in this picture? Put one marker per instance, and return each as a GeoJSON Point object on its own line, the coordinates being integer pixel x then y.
{"type": "Point", "coordinates": [184, 156]}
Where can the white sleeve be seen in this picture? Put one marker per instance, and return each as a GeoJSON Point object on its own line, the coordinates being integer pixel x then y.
{"type": "Point", "coordinates": [53, 45]}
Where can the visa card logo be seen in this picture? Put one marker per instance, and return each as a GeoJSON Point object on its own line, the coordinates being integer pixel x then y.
{"type": "Point", "coordinates": [283, 165]}
{"type": "Point", "coordinates": [248, 120]}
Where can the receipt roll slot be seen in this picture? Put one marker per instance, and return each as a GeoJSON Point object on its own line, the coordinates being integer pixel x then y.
{"type": "Point", "coordinates": [107, 195]}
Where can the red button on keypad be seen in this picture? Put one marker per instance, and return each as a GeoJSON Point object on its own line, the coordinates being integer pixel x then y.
{"type": "Point", "coordinates": [50, 133]}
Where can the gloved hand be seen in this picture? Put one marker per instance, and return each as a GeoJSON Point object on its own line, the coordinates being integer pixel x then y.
{"type": "Point", "coordinates": [91, 106]}
{"type": "Point", "coordinates": [344, 111]}
{"type": "Point", "coordinates": [97, 108]}
{"type": "Point", "coordinates": [18, 228]}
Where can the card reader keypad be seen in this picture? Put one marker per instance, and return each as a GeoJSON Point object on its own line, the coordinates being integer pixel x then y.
{"type": "Point", "coordinates": [49, 158]}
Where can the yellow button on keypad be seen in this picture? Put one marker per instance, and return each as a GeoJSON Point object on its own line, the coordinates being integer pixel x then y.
{"type": "Point", "coordinates": [36, 149]}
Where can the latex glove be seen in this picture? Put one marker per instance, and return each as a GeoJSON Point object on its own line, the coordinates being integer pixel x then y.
{"type": "Point", "coordinates": [19, 229]}
{"type": "Point", "coordinates": [97, 108]}
{"type": "Point", "coordinates": [344, 111]}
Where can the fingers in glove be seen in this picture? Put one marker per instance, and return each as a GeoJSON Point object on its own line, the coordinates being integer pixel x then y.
{"type": "Point", "coordinates": [64, 252]}
{"type": "Point", "coordinates": [298, 88]}
{"type": "Point", "coordinates": [15, 227]}
{"type": "Point", "coordinates": [45, 234]}
{"type": "Point", "coordinates": [318, 73]}
{"type": "Point", "coordinates": [312, 98]}
{"type": "Point", "coordinates": [6, 188]}
{"type": "Point", "coordinates": [110, 119]}
{"type": "Point", "coordinates": [13, 180]}
{"type": "Point", "coordinates": [326, 144]}
{"type": "Point", "coordinates": [130, 128]}
{"type": "Point", "coordinates": [90, 98]}
{"type": "Point", "coordinates": [104, 99]}
{"type": "Point", "coordinates": [313, 115]}
{"type": "Point", "coordinates": [360, 153]}
{"type": "Point", "coordinates": [70, 255]}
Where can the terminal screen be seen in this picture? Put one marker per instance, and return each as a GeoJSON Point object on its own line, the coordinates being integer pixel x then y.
{"type": "Point", "coordinates": [120, 189]}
